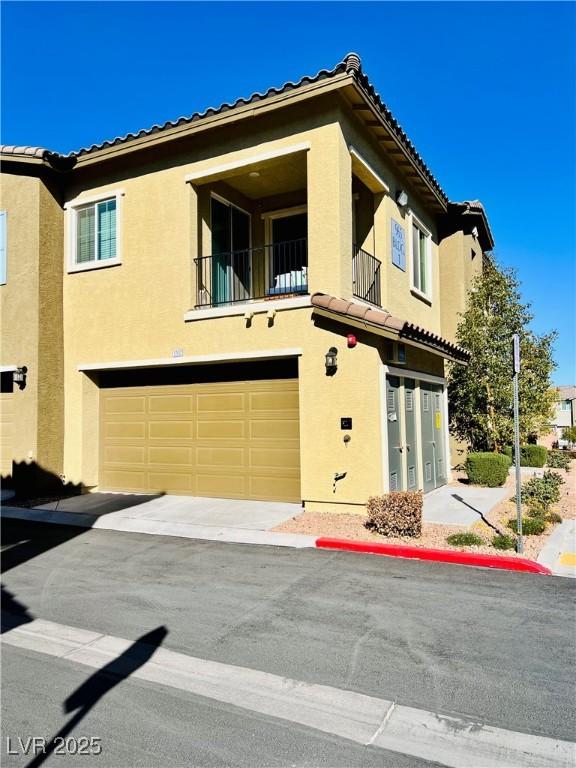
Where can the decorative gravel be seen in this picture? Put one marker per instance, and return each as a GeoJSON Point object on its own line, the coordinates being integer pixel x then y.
{"type": "Point", "coordinates": [351, 526]}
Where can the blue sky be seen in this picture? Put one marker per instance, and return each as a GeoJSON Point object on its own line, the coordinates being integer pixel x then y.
{"type": "Point", "coordinates": [486, 91]}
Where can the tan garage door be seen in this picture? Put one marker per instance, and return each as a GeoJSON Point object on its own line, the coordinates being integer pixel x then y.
{"type": "Point", "coordinates": [6, 434]}
{"type": "Point", "coordinates": [234, 440]}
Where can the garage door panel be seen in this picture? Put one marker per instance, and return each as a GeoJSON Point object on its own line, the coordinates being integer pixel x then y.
{"type": "Point", "coordinates": [275, 458]}
{"type": "Point", "coordinates": [170, 482]}
{"type": "Point", "coordinates": [225, 402]}
{"type": "Point", "coordinates": [231, 439]}
{"type": "Point", "coordinates": [234, 486]}
{"type": "Point", "coordinates": [274, 401]}
{"type": "Point", "coordinates": [172, 430]}
{"type": "Point", "coordinates": [274, 429]}
{"type": "Point", "coordinates": [124, 454]}
{"type": "Point", "coordinates": [133, 404]}
{"type": "Point", "coordinates": [282, 488]}
{"type": "Point", "coordinates": [221, 457]}
{"type": "Point", "coordinates": [124, 430]}
{"type": "Point", "coordinates": [221, 429]}
{"type": "Point", "coordinates": [181, 404]}
{"type": "Point", "coordinates": [7, 433]}
{"type": "Point", "coordinates": [127, 480]}
{"type": "Point", "coordinates": [169, 455]}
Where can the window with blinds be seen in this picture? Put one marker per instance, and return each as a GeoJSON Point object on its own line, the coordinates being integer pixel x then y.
{"type": "Point", "coordinates": [96, 232]}
{"type": "Point", "coordinates": [420, 258]}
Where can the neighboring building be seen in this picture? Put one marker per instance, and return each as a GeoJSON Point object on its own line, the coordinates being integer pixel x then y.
{"type": "Point", "coordinates": [254, 302]}
{"type": "Point", "coordinates": [564, 416]}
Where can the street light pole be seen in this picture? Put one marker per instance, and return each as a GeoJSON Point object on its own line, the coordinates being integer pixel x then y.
{"type": "Point", "coordinates": [516, 358]}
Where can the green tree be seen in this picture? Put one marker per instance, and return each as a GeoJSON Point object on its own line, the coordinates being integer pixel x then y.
{"type": "Point", "coordinates": [481, 394]}
{"type": "Point", "coordinates": [569, 434]}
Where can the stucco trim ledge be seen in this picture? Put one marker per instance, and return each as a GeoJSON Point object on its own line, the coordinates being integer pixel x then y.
{"type": "Point", "coordinates": [255, 308]}
{"type": "Point", "coordinates": [161, 362]}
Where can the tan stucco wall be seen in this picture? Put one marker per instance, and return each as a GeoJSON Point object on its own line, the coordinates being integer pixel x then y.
{"type": "Point", "coordinates": [31, 312]}
{"type": "Point", "coordinates": [397, 297]}
{"type": "Point", "coordinates": [50, 335]}
{"type": "Point", "coordinates": [457, 271]}
{"type": "Point", "coordinates": [20, 198]}
{"type": "Point", "coordinates": [54, 321]}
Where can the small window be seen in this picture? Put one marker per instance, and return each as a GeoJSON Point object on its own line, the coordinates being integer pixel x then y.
{"type": "Point", "coordinates": [428, 471]}
{"type": "Point", "coordinates": [440, 468]}
{"type": "Point", "coordinates": [94, 240]}
{"type": "Point", "coordinates": [3, 219]}
{"type": "Point", "coordinates": [96, 232]}
{"type": "Point", "coordinates": [437, 402]}
{"type": "Point", "coordinates": [409, 400]}
{"type": "Point", "coordinates": [565, 405]}
{"type": "Point", "coordinates": [425, 401]}
{"type": "Point", "coordinates": [420, 259]}
{"type": "Point", "coordinates": [391, 400]}
{"type": "Point", "coordinates": [411, 477]}
{"type": "Point", "coordinates": [394, 481]}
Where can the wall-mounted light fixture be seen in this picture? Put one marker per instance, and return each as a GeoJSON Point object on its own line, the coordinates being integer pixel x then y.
{"type": "Point", "coordinates": [402, 198]}
{"type": "Point", "coordinates": [475, 232]}
{"type": "Point", "coordinates": [331, 361]}
{"type": "Point", "coordinates": [19, 376]}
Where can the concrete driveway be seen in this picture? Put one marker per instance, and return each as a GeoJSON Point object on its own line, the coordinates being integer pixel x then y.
{"type": "Point", "coordinates": [195, 517]}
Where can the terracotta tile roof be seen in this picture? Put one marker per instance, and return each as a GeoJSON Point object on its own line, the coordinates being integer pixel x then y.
{"type": "Point", "coordinates": [40, 152]}
{"type": "Point", "coordinates": [53, 159]}
{"type": "Point", "coordinates": [351, 65]}
{"type": "Point", "coordinates": [566, 393]}
{"type": "Point", "coordinates": [380, 318]}
{"type": "Point", "coordinates": [476, 207]}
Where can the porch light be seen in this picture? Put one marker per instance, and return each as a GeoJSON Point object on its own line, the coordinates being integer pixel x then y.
{"type": "Point", "coordinates": [402, 198]}
{"type": "Point", "coordinates": [331, 361]}
{"type": "Point", "coordinates": [19, 376]}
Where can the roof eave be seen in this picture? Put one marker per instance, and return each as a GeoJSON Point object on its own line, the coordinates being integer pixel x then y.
{"type": "Point", "coordinates": [216, 120]}
{"type": "Point", "coordinates": [435, 190]}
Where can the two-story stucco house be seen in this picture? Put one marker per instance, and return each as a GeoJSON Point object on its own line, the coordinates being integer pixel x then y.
{"type": "Point", "coordinates": [253, 302]}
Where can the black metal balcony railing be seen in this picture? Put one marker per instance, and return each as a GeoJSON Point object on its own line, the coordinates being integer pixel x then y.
{"type": "Point", "coordinates": [366, 276]}
{"type": "Point", "coordinates": [266, 272]}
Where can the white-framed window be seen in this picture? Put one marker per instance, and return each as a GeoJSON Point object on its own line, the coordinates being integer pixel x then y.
{"type": "Point", "coordinates": [3, 239]}
{"type": "Point", "coordinates": [94, 232]}
{"type": "Point", "coordinates": [420, 259]}
{"type": "Point", "coordinates": [566, 405]}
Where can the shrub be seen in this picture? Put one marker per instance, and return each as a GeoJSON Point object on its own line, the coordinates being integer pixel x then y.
{"type": "Point", "coordinates": [465, 539]}
{"type": "Point", "coordinates": [558, 460]}
{"type": "Point", "coordinates": [539, 493]}
{"type": "Point", "coordinates": [501, 541]}
{"type": "Point", "coordinates": [553, 517]}
{"type": "Point", "coordinates": [489, 469]}
{"type": "Point", "coordinates": [396, 514]}
{"type": "Point", "coordinates": [531, 526]}
{"type": "Point", "coordinates": [530, 455]}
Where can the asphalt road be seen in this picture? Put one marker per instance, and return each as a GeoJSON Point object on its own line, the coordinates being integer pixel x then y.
{"type": "Point", "coordinates": [490, 645]}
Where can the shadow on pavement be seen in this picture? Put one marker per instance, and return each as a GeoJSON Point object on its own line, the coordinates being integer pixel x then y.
{"type": "Point", "coordinates": [478, 512]}
{"type": "Point", "coordinates": [100, 683]}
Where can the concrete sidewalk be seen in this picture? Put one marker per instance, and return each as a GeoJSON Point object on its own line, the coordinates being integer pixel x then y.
{"type": "Point", "coordinates": [559, 553]}
{"type": "Point", "coordinates": [461, 504]}
{"type": "Point", "coordinates": [231, 520]}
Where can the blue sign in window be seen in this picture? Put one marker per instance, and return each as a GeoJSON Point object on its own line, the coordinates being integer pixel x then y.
{"type": "Point", "coordinates": [398, 245]}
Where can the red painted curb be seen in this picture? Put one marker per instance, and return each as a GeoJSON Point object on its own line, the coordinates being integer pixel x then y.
{"type": "Point", "coordinates": [437, 555]}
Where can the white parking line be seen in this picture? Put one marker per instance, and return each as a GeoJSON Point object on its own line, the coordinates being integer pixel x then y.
{"type": "Point", "coordinates": [366, 720]}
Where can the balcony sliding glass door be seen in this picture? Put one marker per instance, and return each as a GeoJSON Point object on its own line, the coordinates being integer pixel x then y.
{"type": "Point", "coordinates": [230, 279]}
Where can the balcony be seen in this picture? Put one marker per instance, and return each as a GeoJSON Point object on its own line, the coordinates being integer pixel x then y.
{"type": "Point", "coordinates": [267, 272]}
{"type": "Point", "coordinates": [366, 276]}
